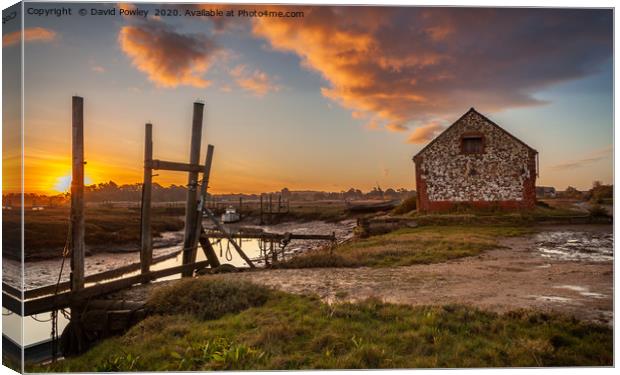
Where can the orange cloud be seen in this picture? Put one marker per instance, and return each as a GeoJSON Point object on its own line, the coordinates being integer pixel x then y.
{"type": "Point", "coordinates": [257, 81]}
{"type": "Point", "coordinates": [34, 34]}
{"type": "Point", "coordinates": [168, 58]}
{"type": "Point", "coordinates": [425, 133]}
{"type": "Point", "coordinates": [405, 66]}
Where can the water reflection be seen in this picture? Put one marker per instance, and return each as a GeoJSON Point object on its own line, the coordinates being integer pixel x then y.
{"type": "Point", "coordinates": [38, 328]}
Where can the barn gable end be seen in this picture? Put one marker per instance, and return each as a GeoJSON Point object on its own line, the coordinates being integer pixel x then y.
{"type": "Point", "coordinates": [475, 161]}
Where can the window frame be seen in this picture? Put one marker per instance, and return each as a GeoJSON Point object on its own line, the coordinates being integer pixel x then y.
{"type": "Point", "coordinates": [472, 135]}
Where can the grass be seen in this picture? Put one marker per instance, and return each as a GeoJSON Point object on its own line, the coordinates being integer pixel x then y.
{"type": "Point", "coordinates": [330, 211]}
{"type": "Point", "coordinates": [403, 247]}
{"type": "Point", "coordinates": [407, 206]}
{"type": "Point", "coordinates": [206, 299]}
{"type": "Point", "coordinates": [300, 332]}
{"type": "Point", "coordinates": [45, 232]}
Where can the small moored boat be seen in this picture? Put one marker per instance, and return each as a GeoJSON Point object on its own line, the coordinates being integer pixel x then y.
{"type": "Point", "coordinates": [230, 215]}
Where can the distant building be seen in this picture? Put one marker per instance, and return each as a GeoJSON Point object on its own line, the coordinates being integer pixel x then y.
{"type": "Point", "coordinates": [475, 161]}
{"type": "Point", "coordinates": [545, 192]}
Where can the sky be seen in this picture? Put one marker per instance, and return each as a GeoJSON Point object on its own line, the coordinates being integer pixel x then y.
{"type": "Point", "coordinates": [341, 97]}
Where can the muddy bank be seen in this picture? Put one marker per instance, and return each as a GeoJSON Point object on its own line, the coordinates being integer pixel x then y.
{"type": "Point", "coordinates": [45, 272]}
{"type": "Point", "coordinates": [518, 276]}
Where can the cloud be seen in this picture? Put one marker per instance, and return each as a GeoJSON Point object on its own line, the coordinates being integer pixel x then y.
{"type": "Point", "coordinates": [33, 34]}
{"type": "Point", "coordinates": [257, 81]}
{"type": "Point", "coordinates": [423, 134]}
{"type": "Point", "coordinates": [98, 69]}
{"type": "Point", "coordinates": [168, 57]}
{"type": "Point", "coordinates": [586, 160]}
{"type": "Point", "coordinates": [395, 127]}
{"type": "Point", "coordinates": [406, 67]}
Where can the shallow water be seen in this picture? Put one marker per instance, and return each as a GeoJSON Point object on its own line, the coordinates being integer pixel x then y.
{"type": "Point", "coordinates": [40, 273]}
{"type": "Point", "coordinates": [576, 246]}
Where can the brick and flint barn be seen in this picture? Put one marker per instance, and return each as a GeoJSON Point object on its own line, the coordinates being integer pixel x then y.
{"type": "Point", "coordinates": [475, 162]}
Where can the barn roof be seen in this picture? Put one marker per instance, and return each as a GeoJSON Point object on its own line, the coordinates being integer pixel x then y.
{"type": "Point", "coordinates": [486, 119]}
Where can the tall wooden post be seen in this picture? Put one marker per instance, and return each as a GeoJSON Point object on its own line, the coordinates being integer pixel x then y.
{"type": "Point", "coordinates": [146, 240]}
{"type": "Point", "coordinates": [77, 195]}
{"type": "Point", "coordinates": [191, 204]}
{"type": "Point", "coordinates": [198, 232]}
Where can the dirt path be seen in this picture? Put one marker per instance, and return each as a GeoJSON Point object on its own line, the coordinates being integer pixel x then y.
{"type": "Point", "coordinates": [523, 274]}
{"type": "Point", "coordinates": [518, 276]}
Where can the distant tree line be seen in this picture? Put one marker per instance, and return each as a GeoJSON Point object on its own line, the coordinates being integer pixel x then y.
{"type": "Point", "coordinates": [113, 192]}
{"type": "Point", "coordinates": [599, 193]}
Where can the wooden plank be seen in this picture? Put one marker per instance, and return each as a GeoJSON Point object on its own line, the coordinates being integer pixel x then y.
{"type": "Point", "coordinates": [8, 289]}
{"type": "Point", "coordinates": [146, 237]}
{"type": "Point", "coordinates": [274, 236]}
{"type": "Point", "coordinates": [66, 299]}
{"type": "Point", "coordinates": [12, 303]}
{"type": "Point", "coordinates": [77, 195]}
{"type": "Point", "coordinates": [175, 166]}
{"type": "Point", "coordinates": [106, 275]}
{"type": "Point", "coordinates": [191, 203]}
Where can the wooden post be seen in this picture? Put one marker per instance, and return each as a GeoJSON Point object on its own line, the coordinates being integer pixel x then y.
{"type": "Point", "coordinates": [146, 240]}
{"type": "Point", "coordinates": [191, 203]}
{"type": "Point", "coordinates": [202, 196]}
{"type": "Point", "coordinates": [261, 209]}
{"type": "Point", "coordinates": [77, 195]}
{"type": "Point", "coordinates": [208, 249]}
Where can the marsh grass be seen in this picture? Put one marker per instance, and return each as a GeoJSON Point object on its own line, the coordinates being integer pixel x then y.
{"type": "Point", "coordinates": [301, 332]}
{"type": "Point", "coordinates": [45, 232]}
{"type": "Point", "coordinates": [403, 247]}
{"type": "Point", "coordinates": [206, 298]}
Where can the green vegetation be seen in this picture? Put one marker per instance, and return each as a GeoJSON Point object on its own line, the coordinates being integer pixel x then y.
{"type": "Point", "coordinates": [300, 332]}
{"type": "Point", "coordinates": [407, 206]}
{"type": "Point", "coordinates": [597, 211]}
{"type": "Point", "coordinates": [330, 211]}
{"type": "Point", "coordinates": [45, 231]}
{"type": "Point", "coordinates": [403, 247]}
{"type": "Point", "coordinates": [206, 299]}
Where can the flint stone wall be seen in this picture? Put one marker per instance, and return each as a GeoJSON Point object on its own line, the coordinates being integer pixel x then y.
{"type": "Point", "coordinates": [504, 172]}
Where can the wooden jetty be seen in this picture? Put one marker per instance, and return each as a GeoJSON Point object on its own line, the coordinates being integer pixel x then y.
{"type": "Point", "coordinates": [87, 311]}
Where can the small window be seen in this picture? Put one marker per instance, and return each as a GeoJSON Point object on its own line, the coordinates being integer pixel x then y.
{"type": "Point", "coordinates": [471, 145]}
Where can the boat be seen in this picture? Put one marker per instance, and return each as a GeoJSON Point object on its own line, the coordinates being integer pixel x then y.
{"type": "Point", "coordinates": [230, 216]}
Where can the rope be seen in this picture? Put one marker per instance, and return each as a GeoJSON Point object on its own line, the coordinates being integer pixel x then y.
{"type": "Point", "coordinates": [228, 252]}
{"type": "Point", "coordinates": [54, 314]}
{"type": "Point", "coordinates": [40, 320]}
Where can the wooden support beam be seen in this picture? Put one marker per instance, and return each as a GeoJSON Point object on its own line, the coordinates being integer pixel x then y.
{"type": "Point", "coordinates": [196, 231]}
{"type": "Point", "coordinates": [102, 276]}
{"type": "Point", "coordinates": [175, 166]}
{"type": "Point", "coordinates": [274, 236]}
{"type": "Point", "coordinates": [191, 203]}
{"type": "Point", "coordinates": [146, 237]}
{"type": "Point", "coordinates": [77, 195]}
{"type": "Point", "coordinates": [261, 209]}
{"type": "Point", "coordinates": [208, 249]}
{"type": "Point", "coordinates": [69, 298]}
{"type": "Point", "coordinates": [221, 228]}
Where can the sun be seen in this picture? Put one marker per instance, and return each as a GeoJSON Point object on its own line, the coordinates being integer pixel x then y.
{"type": "Point", "coordinates": [63, 183]}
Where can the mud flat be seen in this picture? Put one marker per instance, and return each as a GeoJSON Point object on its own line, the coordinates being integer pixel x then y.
{"type": "Point", "coordinates": [45, 272]}
{"type": "Point", "coordinates": [522, 274]}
